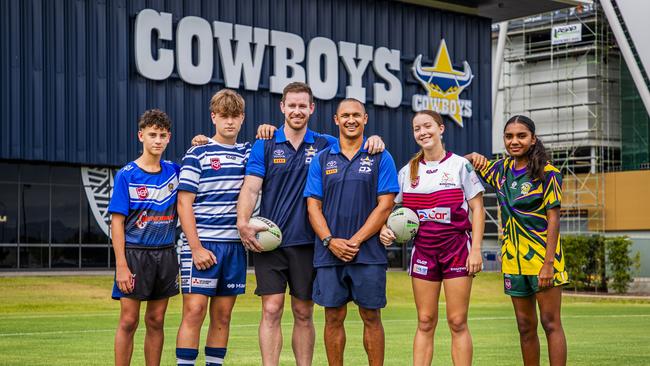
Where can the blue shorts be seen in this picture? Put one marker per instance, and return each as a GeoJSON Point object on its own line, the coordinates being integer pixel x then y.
{"type": "Point", "coordinates": [365, 284]}
{"type": "Point", "coordinates": [226, 278]}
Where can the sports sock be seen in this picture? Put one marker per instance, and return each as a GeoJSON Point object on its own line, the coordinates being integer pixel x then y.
{"type": "Point", "coordinates": [214, 356]}
{"type": "Point", "coordinates": [186, 356]}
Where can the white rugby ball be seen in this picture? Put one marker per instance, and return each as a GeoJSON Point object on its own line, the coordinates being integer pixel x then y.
{"type": "Point", "coordinates": [404, 223]}
{"type": "Point", "coordinates": [271, 237]}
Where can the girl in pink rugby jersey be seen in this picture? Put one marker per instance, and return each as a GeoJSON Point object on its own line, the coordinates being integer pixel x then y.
{"type": "Point", "coordinates": [441, 187]}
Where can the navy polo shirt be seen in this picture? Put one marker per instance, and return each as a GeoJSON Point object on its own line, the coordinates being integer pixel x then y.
{"type": "Point", "coordinates": [349, 191]}
{"type": "Point", "coordinates": [284, 170]}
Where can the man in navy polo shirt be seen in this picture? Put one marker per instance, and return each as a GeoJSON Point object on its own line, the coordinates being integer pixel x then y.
{"type": "Point", "coordinates": [278, 167]}
{"type": "Point", "coordinates": [349, 196]}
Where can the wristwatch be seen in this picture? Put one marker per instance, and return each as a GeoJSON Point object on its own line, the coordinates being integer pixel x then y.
{"type": "Point", "coordinates": [326, 241]}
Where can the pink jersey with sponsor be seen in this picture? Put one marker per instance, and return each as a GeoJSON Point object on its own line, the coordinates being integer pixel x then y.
{"type": "Point", "coordinates": [439, 196]}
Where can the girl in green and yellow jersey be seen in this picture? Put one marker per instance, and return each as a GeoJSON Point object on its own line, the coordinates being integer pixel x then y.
{"type": "Point", "coordinates": [529, 191]}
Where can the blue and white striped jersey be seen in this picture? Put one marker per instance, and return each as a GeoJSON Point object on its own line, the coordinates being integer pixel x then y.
{"type": "Point", "coordinates": [215, 173]}
{"type": "Point", "coordinates": [148, 200]}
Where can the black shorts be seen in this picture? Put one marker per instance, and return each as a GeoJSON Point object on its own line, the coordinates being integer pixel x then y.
{"type": "Point", "coordinates": [293, 265]}
{"type": "Point", "coordinates": [155, 272]}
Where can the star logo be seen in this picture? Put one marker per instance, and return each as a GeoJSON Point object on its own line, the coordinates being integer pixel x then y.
{"type": "Point", "coordinates": [444, 85]}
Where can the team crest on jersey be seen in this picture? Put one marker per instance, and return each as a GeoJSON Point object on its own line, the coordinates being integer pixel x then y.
{"type": "Point", "coordinates": [142, 192]}
{"type": "Point", "coordinates": [415, 182]}
{"type": "Point", "coordinates": [525, 188]}
{"type": "Point", "coordinates": [507, 283]}
{"type": "Point", "coordinates": [310, 152]}
{"type": "Point", "coordinates": [215, 163]}
{"type": "Point", "coordinates": [170, 186]}
{"type": "Point", "coordinates": [367, 161]}
{"type": "Point", "coordinates": [141, 222]}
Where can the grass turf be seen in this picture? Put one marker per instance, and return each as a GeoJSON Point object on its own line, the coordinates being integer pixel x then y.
{"type": "Point", "coordinates": [71, 321]}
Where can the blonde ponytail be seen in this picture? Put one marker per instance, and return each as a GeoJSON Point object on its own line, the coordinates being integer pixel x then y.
{"type": "Point", "coordinates": [414, 165]}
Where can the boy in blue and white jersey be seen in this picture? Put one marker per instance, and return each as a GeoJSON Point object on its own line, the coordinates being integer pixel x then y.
{"type": "Point", "coordinates": [143, 223]}
{"type": "Point", "coordinates": [213, 260]}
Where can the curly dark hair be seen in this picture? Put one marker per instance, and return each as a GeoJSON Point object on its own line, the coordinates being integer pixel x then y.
{"type": "Point", "coordinates": [537, 155]}
{"type": "Point", "coordinates": [155, 118]}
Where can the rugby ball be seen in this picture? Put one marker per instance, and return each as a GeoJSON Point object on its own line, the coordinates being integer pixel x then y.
{"type": "Point", "coordinates": [271, 237]}
{"type": "Point", "coordinates": [404, 223]}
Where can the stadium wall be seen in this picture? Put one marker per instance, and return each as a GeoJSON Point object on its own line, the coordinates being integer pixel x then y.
{"type": "Point", "coordinates": [75, 78]}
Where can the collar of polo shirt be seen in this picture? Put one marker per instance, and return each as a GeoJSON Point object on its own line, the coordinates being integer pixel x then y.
{"type": "Point", "coordinates": [280, 137]}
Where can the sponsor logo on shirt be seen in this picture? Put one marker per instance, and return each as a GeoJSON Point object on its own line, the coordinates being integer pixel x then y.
{"type": "Point", "coordinates": [215, 163]}
{"type": "Point", "coordinates": [458, 269]}
{"type": "Point", "coordinates": [513, 185]}
{"type": "Point", "coordinates": [331, 167]}
{"type": "Point", "coordinates": [142, 192]}
{"type": "Point", "coordinates": [525, 188]}
{"type": "Point", "coordinates": [469, 167]}
{"type": "Point", "coordinates": [420, 261]}
{"type": "Point", "coordinates": [474, 179]}
{"type": "Point", "coordinates": [236, 285]}
{"type": "Point", "coordinates": [431, 171]}
{"type": "Point", "coordinates": [144, 219]}
{"type": "Point", "coordinates": [436, 214]}
{"type": "Point", "coordinates": [279, 160]}
{"type": "Point", "coordinates": [278, 153]}
{"type": "Point", "coordinates": [204, 282]}
{"type": "Point", "coordinates": [447, 180]}
{"type": "Point", "coordinates": [331, 171]}
{"type": "Point", "coordinates": [419, 269]}
{"type": "Point", "coordinates": [365, 170]}
{"type": "Point", "coordinates": [278, 157]}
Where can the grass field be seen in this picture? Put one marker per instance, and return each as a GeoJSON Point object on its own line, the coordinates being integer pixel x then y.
{"type": "Point", "coordinates": [71, 321]}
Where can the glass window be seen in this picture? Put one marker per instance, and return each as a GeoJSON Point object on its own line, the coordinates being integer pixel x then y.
{"type": "Point", "coordinates": [94, 257]}
{"type": "Point", "coordinates": [35, 214]}
{"type": "Point", "coordinates": [66, 175]}
{"type": "Point", "coordinates": [8, 257]}
{"type": "Point", "coordinates": [34, 257]}
{"type": "Point", "coordinates": [65, 214]}
{"type": "Point", "coordinates": [9, 172]}
{"type": "Point", "coordinates": [91, 231]}
{"type": "Point", "coordinates": [31, 173]}
{"type": "Point", "coordinates": [65, 257]}
{"type": "Point", "coordinates": [8, 213]}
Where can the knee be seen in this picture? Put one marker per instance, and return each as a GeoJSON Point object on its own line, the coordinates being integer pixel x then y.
{"type": "Point", "coordinates": [303, 315]}
{"type": "Point", "coordinates": [427, 322]}
{"type": "Point", "coordinates": [272, 312]}
{"type": "Point", "coordinates": [221, 320]}
{"type": "Point", "coordinates": [194, 313]}
{"type": "Point", "coordinates": [335, 318]}
{"type": "Point", "coordinates": [457, 323]}
{"type": "Point", "coordinates": [129, 323]}
{"type": "Point", "coordinates": [527, 327]}
{"type": "Point", "coordinates": [154, 321]}
{"type": "Point", "coordinates": [550, 323]}
{"type": "Point", "coordinates": [370, 317]}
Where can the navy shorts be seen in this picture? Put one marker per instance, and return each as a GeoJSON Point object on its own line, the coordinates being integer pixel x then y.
{"type": "Point", "coordinates": [365, 284]}
{"type": "Point", "coordinates": [226, 278]}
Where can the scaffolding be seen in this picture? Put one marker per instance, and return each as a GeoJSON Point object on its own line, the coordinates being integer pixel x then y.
{"type": "Point", "coordinates": [572, 93]}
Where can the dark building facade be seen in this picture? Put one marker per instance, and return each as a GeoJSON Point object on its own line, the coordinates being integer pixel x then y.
{"type": "Point", "coordinates": [77, 74]}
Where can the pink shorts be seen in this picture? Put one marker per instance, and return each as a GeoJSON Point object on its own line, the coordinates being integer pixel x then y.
{"type": "Point", "coordinates": [438, 263]}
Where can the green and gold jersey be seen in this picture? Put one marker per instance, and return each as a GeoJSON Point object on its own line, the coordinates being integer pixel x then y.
{"type": "Point", "coordinates": [523, 215]}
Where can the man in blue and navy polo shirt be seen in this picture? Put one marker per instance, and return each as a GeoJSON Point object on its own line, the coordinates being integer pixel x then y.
{"type": "Point", "coordinates": [278, 167]}
{"type": "Point", "coordinates": [349, 196]}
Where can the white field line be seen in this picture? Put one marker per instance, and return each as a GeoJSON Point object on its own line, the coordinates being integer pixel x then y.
{"type": "Point", "coordinates": [488, 318]}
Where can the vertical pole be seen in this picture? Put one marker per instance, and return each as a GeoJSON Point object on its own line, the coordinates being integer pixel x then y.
{"type": "Point", "coordinates": [498, 62]}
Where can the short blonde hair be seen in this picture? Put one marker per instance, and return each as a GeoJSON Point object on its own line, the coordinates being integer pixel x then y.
{"type": "Point", "coordinates": [227, 103]}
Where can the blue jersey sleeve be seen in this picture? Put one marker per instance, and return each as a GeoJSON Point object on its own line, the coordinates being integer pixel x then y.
{"type": "Point", "coordinates": [190, 172]}
{"type": "Point", "coordinates": [120, 202]}
{"type": "Point", "coordinates": [387, 182]}
{"type": "Point", "coordinates": [256, 164]}
{"type": "Point", "coordinates": [314, 186]}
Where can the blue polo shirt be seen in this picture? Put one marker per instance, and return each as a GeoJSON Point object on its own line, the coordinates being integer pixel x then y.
{"type": "Point", "coordinates": [349, 191]}
{"type": "Point", "coordinates": [284, 170]}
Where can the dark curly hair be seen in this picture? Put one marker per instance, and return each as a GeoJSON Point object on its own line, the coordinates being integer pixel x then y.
{"type": "Point", "coordinates": [155, 118]}
{"type": "Point", "coordinates": [537, 156]}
